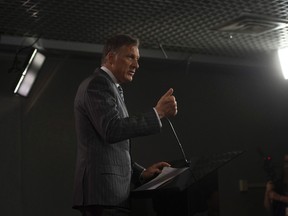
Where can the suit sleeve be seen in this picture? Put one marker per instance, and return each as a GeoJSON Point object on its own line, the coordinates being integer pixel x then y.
{"type": "Point", "coordinates": [106, 116]}
{"type": "Point", "coordinates": [137, 171]}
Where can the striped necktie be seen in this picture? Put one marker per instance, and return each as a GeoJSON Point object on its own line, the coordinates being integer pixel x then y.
{"type": "Point", "coordinates": [121, 92]}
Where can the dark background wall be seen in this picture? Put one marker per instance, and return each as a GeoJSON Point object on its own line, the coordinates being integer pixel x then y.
{"type": "Point", "coordinates": [222, 108]}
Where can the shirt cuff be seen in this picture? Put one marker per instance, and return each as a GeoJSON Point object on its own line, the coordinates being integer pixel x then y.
{"type": "Point", "coordinates": [160, 123]}
{"type": "Point", "coordinates": [141, 179]}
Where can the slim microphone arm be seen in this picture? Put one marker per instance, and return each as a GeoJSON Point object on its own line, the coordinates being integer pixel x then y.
{"type": "Point", "coordinates": [162, 49]}
{"type": "Point", "coordinates": [178, 141]}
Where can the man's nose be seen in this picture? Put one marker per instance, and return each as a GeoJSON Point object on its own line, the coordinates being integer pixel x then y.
{"type": "Point", "coordinates": [135, 64]}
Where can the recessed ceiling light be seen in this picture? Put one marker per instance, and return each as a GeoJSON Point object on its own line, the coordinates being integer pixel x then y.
{"type": "Point", "coordinates": [251, 24]}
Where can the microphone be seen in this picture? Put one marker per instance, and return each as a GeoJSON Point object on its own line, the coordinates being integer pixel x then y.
{"type": "Point", "coordinates": [187, 163]}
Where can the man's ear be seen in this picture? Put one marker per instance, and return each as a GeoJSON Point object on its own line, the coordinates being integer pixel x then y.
{"type": "Point", "coordinates": [111, 57]}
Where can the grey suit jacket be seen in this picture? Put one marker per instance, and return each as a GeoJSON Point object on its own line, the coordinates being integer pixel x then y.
{"type": "Point", "coordinates": [103, 164]}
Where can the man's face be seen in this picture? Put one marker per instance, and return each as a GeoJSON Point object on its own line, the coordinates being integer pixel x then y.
{"type": "Point", "coordinates": [124, 63]}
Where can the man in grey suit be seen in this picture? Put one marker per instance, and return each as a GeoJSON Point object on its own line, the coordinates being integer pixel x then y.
{"type": "Point", "coordinates": [104, 169]}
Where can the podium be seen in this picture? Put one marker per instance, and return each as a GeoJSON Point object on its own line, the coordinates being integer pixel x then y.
{"type": "Point", "coordinates": [194, 189]}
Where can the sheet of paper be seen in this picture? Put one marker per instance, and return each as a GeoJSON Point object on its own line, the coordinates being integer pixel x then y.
{"type": "Point", "coordinates": [167, 174]}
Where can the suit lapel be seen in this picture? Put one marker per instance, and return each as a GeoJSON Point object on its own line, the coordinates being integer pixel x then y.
{"type": "Point", "coordinates": [115, 89]}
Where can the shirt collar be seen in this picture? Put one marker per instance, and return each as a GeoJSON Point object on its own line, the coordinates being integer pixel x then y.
{"type": "Point", "coordinates": [110, 74]}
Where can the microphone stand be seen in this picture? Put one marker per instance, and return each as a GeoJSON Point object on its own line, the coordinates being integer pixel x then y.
{"type": "Point", "coordinates": [187, 163]}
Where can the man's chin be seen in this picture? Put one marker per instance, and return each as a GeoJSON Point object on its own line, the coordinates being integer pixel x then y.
{"type": "Point", "coordinates": [129, 79]}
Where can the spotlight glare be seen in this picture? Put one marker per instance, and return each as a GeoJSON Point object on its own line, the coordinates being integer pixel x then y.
{"type": "Point", "coordinates": [283, 56]}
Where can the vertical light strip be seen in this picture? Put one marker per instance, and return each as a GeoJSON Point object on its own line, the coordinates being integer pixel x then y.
{"type": "Point", "coordinates": [283, 59]}
{"type": "Point", "coordinates": [30, 74]}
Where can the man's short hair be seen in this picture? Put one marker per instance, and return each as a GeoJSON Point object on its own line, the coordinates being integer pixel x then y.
{"type": "Point", "coordinates": [117, 41]}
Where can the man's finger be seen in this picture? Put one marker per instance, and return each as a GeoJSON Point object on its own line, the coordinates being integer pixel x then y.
{"type": "Point", "coordinates": [169, 92]}
{"type": "Point", "coordinates": [163, 164]}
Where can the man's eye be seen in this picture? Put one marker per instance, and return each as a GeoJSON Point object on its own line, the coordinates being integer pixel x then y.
{"type": "Point", "coordinates": [132, 58]}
